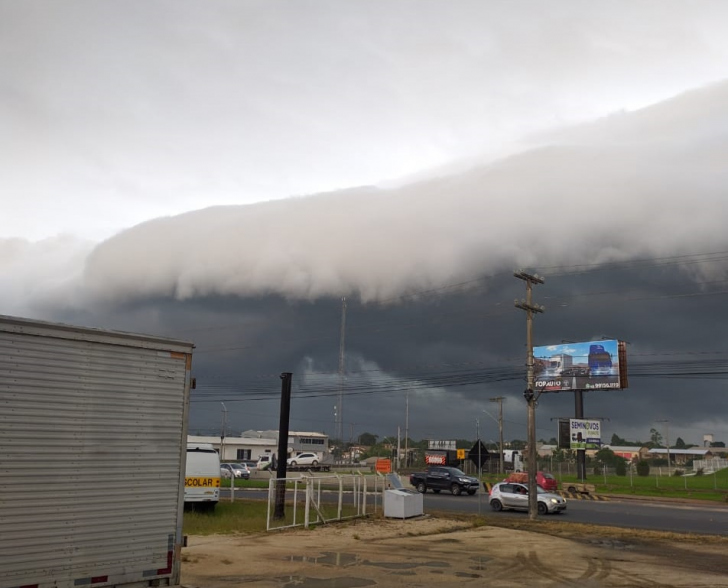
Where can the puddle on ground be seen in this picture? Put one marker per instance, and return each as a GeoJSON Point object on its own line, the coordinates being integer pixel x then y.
{"type": "Point", "coordinates": [406, 565]}
{"type": "Point", "coordinates": [467, 575]}
{"type": "Point", "coordinates": [329, 558]}
{"type": "Point", "coordinates": [611, 543]}
{"type": "Point", "coordinates": [480, 562]}
{"type": "Point", "coordinates": [306, 582]}
{"type": "Point", "coordinates": [342, 560]}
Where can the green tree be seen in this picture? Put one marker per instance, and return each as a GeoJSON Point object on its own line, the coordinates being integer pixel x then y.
{"type": "Point", "coordinates": [605, 456]}
{"type": "Point", "coordinates": [643, 468]}
{"type": "Point", "coordinates": [617, 441]}
{"type": "Point", "coordinates": [621, 468]}
{"type": "Point", "coordinates": [655, 438]}
{"type": "Point", "coordinates": [680, 444]}
{"type": "Point", "coordinates": [368, 439]}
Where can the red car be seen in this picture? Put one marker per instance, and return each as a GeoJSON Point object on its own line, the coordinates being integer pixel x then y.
{"type": "Point", "coordinates": [546, 481]}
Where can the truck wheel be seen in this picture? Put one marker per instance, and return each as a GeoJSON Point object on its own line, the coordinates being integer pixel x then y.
{"type": "Point", "coordinates": [572, 489]}
{"type": "Point", "coordinates": [496, 505]}
{"type": "Point", "coordinates": [421, 488]}
{"type": "Point", "coordinates": [542, 508]}
{"type": "Point", "coordinates": [456, 490]}
{"type": "Point", "coordinates": [314, 463]}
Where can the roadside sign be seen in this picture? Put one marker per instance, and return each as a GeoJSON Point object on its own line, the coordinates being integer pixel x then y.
{"type": "Point", "coordinates": [461, 454]}
{"type": "Point", "coordinates": [478, 454]}
{"type": "Point", "coordinates": [384, 466]}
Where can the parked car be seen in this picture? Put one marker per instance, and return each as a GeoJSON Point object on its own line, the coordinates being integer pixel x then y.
{"type": "Point", "coordinates": [252, 465]}
{"type": "Point", "coordinates": [543, 479]}
{"type": "Point", "coordinates": [303, 459]}
{"type": "Point", "coordinates": [507, 495]}
{"type": "Point", "coordinates": [235, 469]}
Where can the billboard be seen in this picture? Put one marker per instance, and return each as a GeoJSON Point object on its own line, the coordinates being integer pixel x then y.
{"type": "Point", "coordinates": [585, 434]}
{"type": "Point", "coordinates": [441, 444]}
{"type": "Point", "coordinates": [591, 365]}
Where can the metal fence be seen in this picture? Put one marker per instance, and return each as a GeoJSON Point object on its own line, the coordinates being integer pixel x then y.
{"type": "Point", "coordinates": [315, 499]}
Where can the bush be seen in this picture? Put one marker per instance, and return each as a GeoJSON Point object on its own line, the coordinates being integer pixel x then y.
{"type": "Point", "coordinates": [597, 470]}
{"type": "Point", "coordinates": [643, 468]}
{"type": "Point", "coordinates": [621, 468]}
{"type": "Point", "coordinates": [699, 472]}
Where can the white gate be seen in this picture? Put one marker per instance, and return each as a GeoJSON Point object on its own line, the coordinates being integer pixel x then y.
{"type": "Point", "coordinates": [311, 500]}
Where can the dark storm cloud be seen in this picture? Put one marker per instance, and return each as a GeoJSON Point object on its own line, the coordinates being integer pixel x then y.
{"type": "Point", "coordinates": [620, 216]}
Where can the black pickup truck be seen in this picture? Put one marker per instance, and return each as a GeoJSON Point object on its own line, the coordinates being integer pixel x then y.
{"type": "Point", "coordinates": [438, 478]}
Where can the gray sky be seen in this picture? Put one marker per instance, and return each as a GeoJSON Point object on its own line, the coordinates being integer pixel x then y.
{"type": "Point", "coordinates": [226, 171]}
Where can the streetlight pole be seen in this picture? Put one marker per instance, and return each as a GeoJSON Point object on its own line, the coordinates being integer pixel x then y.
{"type": "Point", "coordinates": [222, 432]}
{"type": "Point", "coordinates": [667, 442]}
{"type": "Point", "coordinates": [499, 400]}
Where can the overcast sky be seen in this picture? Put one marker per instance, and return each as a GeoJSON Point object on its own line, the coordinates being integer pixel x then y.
{"type": "Point", "coordinates": [226, 171]}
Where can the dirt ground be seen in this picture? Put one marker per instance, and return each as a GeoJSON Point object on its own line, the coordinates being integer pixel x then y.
{"type": "Point", "coordinates": [430, 551]}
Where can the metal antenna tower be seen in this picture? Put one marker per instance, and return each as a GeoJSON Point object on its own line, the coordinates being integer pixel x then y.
{"type": "Point", "coordinates": [342, 348]}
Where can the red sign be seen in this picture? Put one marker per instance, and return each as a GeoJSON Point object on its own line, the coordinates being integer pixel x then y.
{"type": "Point", "coordinates": [384, 466]}
{"type": "Point", "coordinates": [435, 459]}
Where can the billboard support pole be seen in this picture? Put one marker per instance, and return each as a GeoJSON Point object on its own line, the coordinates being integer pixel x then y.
{"type": "Point", "coordinates": [580, 453]}
{"type": "Point", "coordinates": [528, 394]}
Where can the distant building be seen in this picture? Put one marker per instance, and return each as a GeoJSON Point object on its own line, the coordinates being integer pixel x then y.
{"type": "Point", "coordinates": [251, 445]}
{"type": "Point", "coordinates": [630, 452]}
{"type": "Point", "coordinates": [680, 456]}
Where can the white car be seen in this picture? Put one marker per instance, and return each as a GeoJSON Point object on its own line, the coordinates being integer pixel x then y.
{"type": "Point", "coordinates": [303, 459]}
{"type": "Point", "coordinates": [238, 470]}
{"type": "Point", "coordinates": [508, 495]}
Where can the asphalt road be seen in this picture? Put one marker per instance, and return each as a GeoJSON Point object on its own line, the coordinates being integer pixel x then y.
{"type": "Point", "coordinates": [694, 517]}
{"type": "Point", "coordinates": [628, 513]}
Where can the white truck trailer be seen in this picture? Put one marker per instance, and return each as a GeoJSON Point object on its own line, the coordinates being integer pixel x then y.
{"type": "Point", "coordinates": [93, 438]}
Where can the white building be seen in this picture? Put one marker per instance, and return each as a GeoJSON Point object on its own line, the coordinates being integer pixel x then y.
{"type": "Point", "coordinates": [251, 445]}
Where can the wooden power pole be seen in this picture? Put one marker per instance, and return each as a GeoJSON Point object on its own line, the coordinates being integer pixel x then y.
{"type": "Point", "coordinates": [529, 395]}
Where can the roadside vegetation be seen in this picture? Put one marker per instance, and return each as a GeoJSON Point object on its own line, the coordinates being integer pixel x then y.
{"type": "Point", "coordinates": [241, 516]}
{"type": "Point", "coordinates": [712, 487]}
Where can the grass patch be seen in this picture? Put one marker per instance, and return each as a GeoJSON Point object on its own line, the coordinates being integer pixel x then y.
{"type": "Point", "coordinates": [250, 516]}
{"type": "Point", "coordinates": [240, 483]}
{"type": "Point", "coordinates": [241, 516]}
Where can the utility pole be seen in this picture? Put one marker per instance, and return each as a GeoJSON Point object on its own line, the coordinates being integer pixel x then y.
{"type": "Point", "coordinates": [667, 441]}
{"type": "Point", "coordinates": [342, 347]}
{"type": "Point", "coordinates": [223, 432]}
{"type": "Point", "coordinates": [499, 400]}
{"type": "Point", "coordinates": [528, 394]}
{"type": "Point", "coordinates": [480, 460]}
{"type": "Point", "coordinates": [406, 430]}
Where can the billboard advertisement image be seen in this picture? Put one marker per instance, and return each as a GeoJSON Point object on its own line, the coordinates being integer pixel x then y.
{"type": "Point", "coordinates": [591, 365]}
{"type": "Point", "coordinates": [585, 434]}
